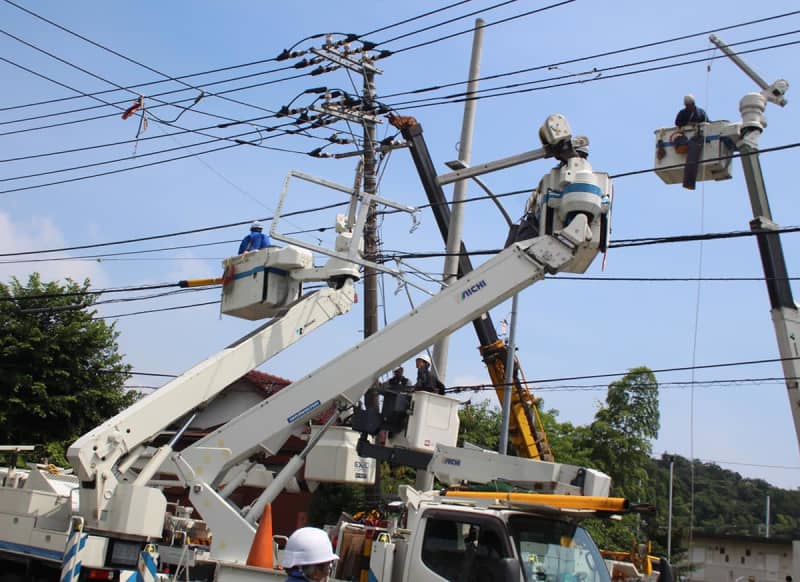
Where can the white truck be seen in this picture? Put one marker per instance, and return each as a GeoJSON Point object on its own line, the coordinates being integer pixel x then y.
{"type": "Point", "coordinates": [111, 526]}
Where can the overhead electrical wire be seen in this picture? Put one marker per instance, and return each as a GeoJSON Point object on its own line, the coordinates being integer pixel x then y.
{"type": "Point", "coordinates": [172, 234]}
{"type": "Point", "coordinates": [120, 55]}
{"type": "Point", "coordinates": [599, 76]}
{"type": "Point", "coordinates": [469, 30]}
{"type": "Point", "coordinates": [159, 310]}
{"type": "Point", "coordinates": [622, 242]}
{"type": "Point", "coordinates": [210, 71]}
{"type": "Point", "coordinates": [557, 64]}
{"type": "Point", "coordinates": [442, 23]}
{"type": "Point", "coordinates": [414, 18]}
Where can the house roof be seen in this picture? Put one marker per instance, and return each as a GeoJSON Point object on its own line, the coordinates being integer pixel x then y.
{"type": "Point", "coordinates": [269, 383]}
{"type": "Point", "coordinates": [272, 384]}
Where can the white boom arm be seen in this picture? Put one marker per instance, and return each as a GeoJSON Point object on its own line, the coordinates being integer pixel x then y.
{"type": "Point", "coordinates": [346, 378]}
{"type": "Point", "coordinates": [97, 454]}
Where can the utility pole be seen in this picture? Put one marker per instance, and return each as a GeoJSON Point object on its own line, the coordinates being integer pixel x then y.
{"type": "Point", "coordinates": [360, 111]}
{"type": "Point", "coordinates": [370, 247]}
{"type": "Point", "coordinates": [451, 261]}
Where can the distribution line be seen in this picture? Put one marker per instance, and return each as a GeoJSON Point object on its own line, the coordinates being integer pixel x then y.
{"type": "Point", "coordinates": [599, 55]}
{"type": "Point", "coordinates": [172, 234]}
{"type": "Point", "coordinates": [427, 205]}
{"type": "Point", "coordinates": [212, 71]}
{"type": "Point", "coordinates": [122, 56]}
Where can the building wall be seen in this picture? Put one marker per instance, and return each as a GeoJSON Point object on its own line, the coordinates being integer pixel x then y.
{"type": "Point", "coordinates": [737, 560]}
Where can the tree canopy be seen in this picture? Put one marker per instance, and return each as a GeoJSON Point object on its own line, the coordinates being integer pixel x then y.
{"type": "Point", "coordinates": [62, 373]}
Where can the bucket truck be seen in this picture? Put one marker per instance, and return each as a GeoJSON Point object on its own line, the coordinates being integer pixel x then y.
{"type": "Point", "coordinates": [119, 513]}
{"type": "Point", "coordinates": [719, 140]}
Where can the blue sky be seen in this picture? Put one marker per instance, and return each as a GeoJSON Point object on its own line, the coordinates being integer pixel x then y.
{"type": "Point", "coordinates": [567, 327]}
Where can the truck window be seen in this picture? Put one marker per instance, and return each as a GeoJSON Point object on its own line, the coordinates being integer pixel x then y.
{"type": "Point", "coordinates": [556, 551]}
{"type": "Point", "coordinates": [463, 551]}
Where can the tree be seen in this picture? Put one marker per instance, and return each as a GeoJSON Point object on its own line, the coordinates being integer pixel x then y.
{"type": "Point", "coordinates": [62, 373]}
{"type": "Point", "coordinates": [480, 425]}
{"type": "Point", "coordinates": [623, 430]}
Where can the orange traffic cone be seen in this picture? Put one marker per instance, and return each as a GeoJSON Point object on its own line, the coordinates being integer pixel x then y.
{"type": "Point", "coordinates": [261, 552]}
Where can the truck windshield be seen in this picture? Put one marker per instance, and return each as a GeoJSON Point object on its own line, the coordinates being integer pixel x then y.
{"type": "Point", "coordinates": [556, 551]}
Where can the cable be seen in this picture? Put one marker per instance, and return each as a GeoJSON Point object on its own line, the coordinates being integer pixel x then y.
{"type": "Point", "coordinates": [120, 55]}
{"type": "Point", "coordinates": [172, 234]}
{"type": "Point", "coordinates": [155, 153]}
{"type": "Point", "coordinates": [461, 97]}
{"type": "Point", "coordinates": [444, 22]}
{"type": "Point", "coordinates": [117, 171]}
{"type": "Point", "coordinates": [92, 292]}
{"type": "Point", "coordinates": [487, 25]}
{"type": "Point", "coordinates": [151, 96]}
{"type": "Point", "coordinates": [620, 374]}
{"type": "Point", "coordinates": [600, 55]}
{"type": "Point", "coordinates": [175, 308]}
{"type": "Point", "coordinates": [217, 70]}
{"type": "Point", "coordinates": [622, 243]}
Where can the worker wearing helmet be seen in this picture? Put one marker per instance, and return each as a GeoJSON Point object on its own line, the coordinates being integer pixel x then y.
{"type": "Point", "coordinates": [309, 555]}
{"type": "Point", "coordinates": [690, 113]}
{"type": "Point", "coordinates": [426, 376]}
{"type": "Point", "coordinates": [255, 240]}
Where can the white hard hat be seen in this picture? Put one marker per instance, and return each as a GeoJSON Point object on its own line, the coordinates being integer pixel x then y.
{"type": "Point", "coordinates": [424, 358]}
{"type": "Point", "coordinates": [256, 225]}
{"type": "Point", "coordinates": [307, 546]}
{"type": "Point", "coordinates": [689, 99]}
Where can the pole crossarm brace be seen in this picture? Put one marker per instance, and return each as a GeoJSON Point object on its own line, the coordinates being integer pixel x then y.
{"type": "Point", "coordinates": [346, 115]}
{"type": "Point", "coordinates": [346, 61]}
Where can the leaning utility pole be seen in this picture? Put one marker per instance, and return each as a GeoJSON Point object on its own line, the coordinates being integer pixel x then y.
{"type": "Point", "coordinates": [453, 243]}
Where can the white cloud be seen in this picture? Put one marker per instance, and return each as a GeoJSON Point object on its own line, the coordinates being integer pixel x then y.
{"type": "Point", "coordinates": [39, 232]}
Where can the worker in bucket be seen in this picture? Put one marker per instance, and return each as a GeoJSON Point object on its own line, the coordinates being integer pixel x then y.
{"type": "Point", "coordinates": [398, 381]}
{"type": "Point", "coordinates": [427, 381]}
{"type": "Point", "coordinates": [690, 113]}
{"type": "Point", "coordinates": [309, 555]}
{"type": "Point", "coordinates": [255, 240]}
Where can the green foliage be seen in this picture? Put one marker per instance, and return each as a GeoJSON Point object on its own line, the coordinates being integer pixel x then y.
{"type": "Point", "coordinates": [62, 373]}
{"type": "Point", "coordinates": [622, 431]}
{"type": "Point", "coordinates": [480, 425]}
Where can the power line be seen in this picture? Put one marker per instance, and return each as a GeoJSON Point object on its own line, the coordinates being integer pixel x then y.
{"type": "Point", "coordinates": [172, 234]}
{"type": "Point", "coordinates": [220, 69]}
{"type": "Point", "coordinates": [118, 54]}
{"type": "Point", "coordinates": [599, 76]}
{"type": "Point", "coordinates": [598, 55]}
{"type": "Point", "coordinates": [621, 243]}
{"type": "Point", "coordinates": [126, 289]}
{"type": "Point", "coordinates": [620, 374]}
{"type": "Point", "coordinates": [418, 17]}
{"type": "Point", "coordinates": [152, 96]}
{"type": "Point", "coordinates": [487, 25]}
{"type": "Point", "coordinates": [146, 311]}
{"type": "Point", "coordinates": [444, 22]}
{"type": "Point", "coordinates": [155, 153]}
{"type": "Point", "coordinates": [120, 170]}
{"type": "Point", "coordinates": [607, 375]}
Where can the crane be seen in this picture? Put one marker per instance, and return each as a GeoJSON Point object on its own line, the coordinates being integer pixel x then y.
{"type": "Point", "coordinates": [719, 140]}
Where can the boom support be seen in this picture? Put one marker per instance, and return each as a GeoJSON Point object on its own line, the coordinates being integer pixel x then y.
{"type": "Point", "coordinates": [346, 378]}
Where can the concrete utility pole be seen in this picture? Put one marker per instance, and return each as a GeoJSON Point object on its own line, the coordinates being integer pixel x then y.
{"type": "Point", "coordinates": [360, 112]}
{"type": "Point", "coordinates": [370, 248]}
{"type": "Point", "coordinates": [460, 190]}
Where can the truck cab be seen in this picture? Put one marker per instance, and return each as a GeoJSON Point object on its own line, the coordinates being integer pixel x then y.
{"type": "Point", "coordinates": [467, 540]}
